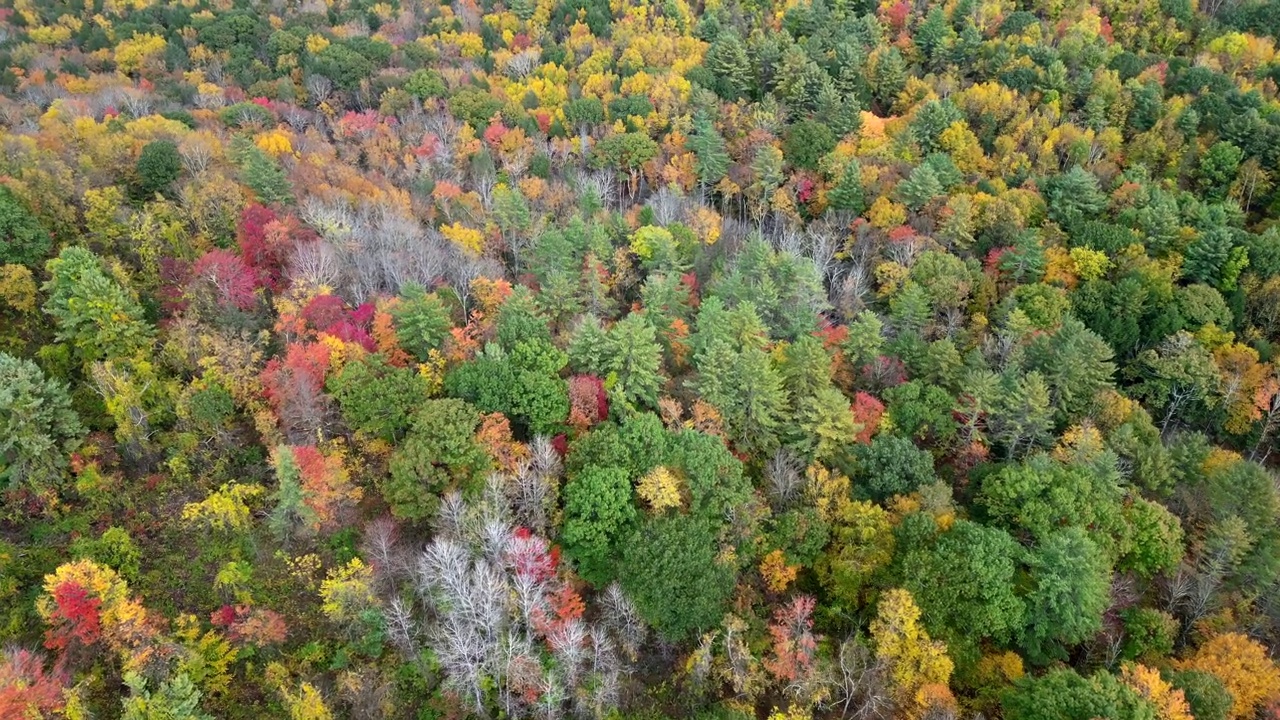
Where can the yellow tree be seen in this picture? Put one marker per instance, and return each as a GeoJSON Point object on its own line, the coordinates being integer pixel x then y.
{"type": "Point", "coordinates": [1244, 668]}
{"type": "Point", "coordinates": [1170, 704]}
{"type": "Point", "coordinates": [915, 662]}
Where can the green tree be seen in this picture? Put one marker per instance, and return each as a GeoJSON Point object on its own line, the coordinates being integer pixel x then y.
{"type": "Point", "coordinates": [728, 61]}
{"type": "Point", "coordinates": [921, 186]}
{"type": "Point", "coordinates": [158, 166]}
{"type": "Point", "coordinates": [422, 321]}
{"type": "Point", "coordinates": [38, 428]}
{"type": "Point", "coordinates": [1155, 539]}
{"type": "Point", "coordinates": [113, 549]}
{"type": "Point", "coordinates": [261, 173]}
{"type": "Point", "coordinates": [1207, 257]}
{"type": "Point", "coordinates": [439, 453]}
{"type": "Point", "coordinates": [963, 581]}
{"type": "Point", "coordinates": [598, 516]}
{"type": "Point", "coordinates": [806, 142]}
{"type": "Point", "coordinates": [737, 376]}
{"type": "Point", "coordinates": [1207, 697]}
{"type": "Point", "coordinates": [23, 240]}
{"type": "Point", "coordinates": [1076, 363]}
{"type": "Point", "coordinates": [671, 569]}
{"type": "Point", "coordinates": [1041, 495]}
{"type": "Point", "coordinates": [376, 398]}
{"type": "Point", "coordinates": [1022, 416]}
{"type": "Point", "coordinates": [1072, 589]}
{"type": "Point", "coordinates": [634, 360]}
{"type": "Point", "coordinates": [425, 83]}
{"type": "Point", "coordinates": [589, 347]}
{"type": "Point", "coordinates": [345, 67]}
{"type": "Point", "coordinates": [847, 194]}
{"type": "Point", "coordinates": [177, 698]}
{"type": "Point", "coordinates": [94, 314]}
{"type": "Point", "coordinates": [892, 465]}
{"type": "Point", "coordinates": [1073, 196]}
{"type": "Point", "coordinates": [289, 513]}
{"type": "Point", "coordinates": [1218, 167]}
{"type": "Point", "coordinates": [624, 152]}
{"type": "Point", "coordinates": [889, 76]}
{"type": "Point", "coordinates": [708, 148]}
{"type": "Point", "coordinates": [1065, 695]}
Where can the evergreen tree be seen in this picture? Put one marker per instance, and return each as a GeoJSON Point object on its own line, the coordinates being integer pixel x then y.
{"type": "Point", "coordinates": [634, 360]}
{"type": "Point", "coordinates": [727, 60]}
{"type": "Point", "coordinates": [94, 314]}
{"type": "Point", "coordinates": [708, 147]}
{"type": "Point", "coordinates": [847, 194]}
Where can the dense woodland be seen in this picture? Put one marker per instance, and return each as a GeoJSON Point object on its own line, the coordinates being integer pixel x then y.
{"type": "Point", "coordinates": [639, 360]}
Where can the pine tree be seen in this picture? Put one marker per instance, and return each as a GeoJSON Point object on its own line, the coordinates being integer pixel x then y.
{"type": "Point", "coordinates": [708, 147]}
{"type": "Point", "coordinates": [727, 59]}
{"type": "Point", "coordinates": [847, 193]}
{"type": "Point", "coordinates": [635, 360]}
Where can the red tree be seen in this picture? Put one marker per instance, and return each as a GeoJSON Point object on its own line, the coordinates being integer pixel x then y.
{"type": "Point", "coordinates": [230, 281]}
{"type": "Point", "coordinates": [76, 616]}
{"type": "Point", "coordinates": [26, 690]}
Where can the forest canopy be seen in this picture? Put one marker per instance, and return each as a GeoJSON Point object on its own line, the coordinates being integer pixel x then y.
{"type": "Point", "coordinates": [634, 360]}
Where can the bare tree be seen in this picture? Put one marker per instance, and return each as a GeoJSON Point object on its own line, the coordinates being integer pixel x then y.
{"type": "Point", "coordinates": [785, 476]}
{"type": "Point", "coordinates": [486, 592]}
{"type": "Point", "coordinates": [315, 263]}
{"type": "Point", "coordinates": [860, 685]}
{"type": "Point", "coordinates": [318, 87]}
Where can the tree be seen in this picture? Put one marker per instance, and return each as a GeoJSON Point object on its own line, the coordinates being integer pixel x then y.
{"type": "Point", "coordinates": [1065, 695]}
{"type": "Point", "coordinates": [1073, 196]}
{"type": "Point", "coordinates": [262, 173]}
{"type": "Point", "coordinates": [914, 661]}
{"type": "Point", "coordinates": [599, 515]}
{"type": "Point", "coordinates": [1218, 167]}
{"type": "Point", "coordinates": [892, 465]}
{"type": "Point", "coordinates": [422, 321]}
{"type": "Point", "coordinates": [1041, 495]}
{"type": "Point", "coordinates": [1170, 703]}
{"type": "Point", "coordinates": [158, 166]}
{"type": "Point", "coordinates": [919, 188]}
{"type": "Point", "coordinates": [26, 689]}
{"type": "Point", "coordinates": [1072, 589]}
{"type": "Point", "coordinates": [97, 316]}
{"type": "Point", "coordinates": [862, 543]}
{"type": "Point", "coordinates": [38, 428]}
{"type": "Point", "coordinates": [177, 698]}
{"type": "Point", "coordinates": [634, 360]}
{"type": "Point", "coordinates": [1155, 538]}
{"type": "Point", "coordinates": [425, 83]}
{"type": "Point", "coordinates": [1243, 666]}
{"type": "Point", "coordinates": [23, 240]}
{"type": "Point", "coordinates": [806, 142]}
{"type": "Point", "coordinates": [1022, 413]}
{"type": "Point", "coordinates": [343, 65]}
{"type": "Point", "coordinates": [963, 582]}
{"type": "Point", "coordinates": [1076, 363]}
{"type": "Point", "coordinates": [626, 153]}
{"type": "Point", "coordinates": [1209, 255]}
{"type": "Point", "coordinates": [1206, 696]}
{"type": "Point", "coordinates": [847, 194]}
{"type": "Point", "coordinates": [378, 399]}
{"type": "Point", "coordinates": [672, 570]}
{"type": "Point", "coordinates": [728, 62]}
{"type": "Point", "coordinates": [1180, 376]}
{"type": "Point", "coordinates": [708, 148]}
{"type": "Point", "coordinates": [737, 376]}
{"type": "Point", "coordinates": [440, 452]}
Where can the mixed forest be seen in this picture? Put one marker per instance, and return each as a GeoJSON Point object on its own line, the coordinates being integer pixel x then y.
{"type": "Point", "coordinates": [631, 360]}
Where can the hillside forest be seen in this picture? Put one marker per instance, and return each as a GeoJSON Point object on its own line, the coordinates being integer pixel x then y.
{"type": "Point", "coordinates": [639, 359]}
